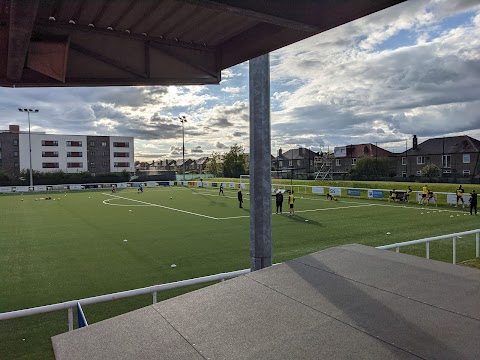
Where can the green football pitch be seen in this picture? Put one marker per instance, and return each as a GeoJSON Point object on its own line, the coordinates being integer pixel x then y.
{"type": "Point", "coordinates": [90, 243]}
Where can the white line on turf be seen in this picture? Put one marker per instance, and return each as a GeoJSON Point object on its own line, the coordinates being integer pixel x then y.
{"type": "Point", "coordinates": [164, 207]}
{"type": "Point", "coordinates": [107, 202]}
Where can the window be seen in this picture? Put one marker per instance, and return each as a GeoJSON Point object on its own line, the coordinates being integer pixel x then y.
{"type": "Point", "coordinates": [404, 174]}
{"type": "Point", "coordinates": [419, 173]}
{"type": "Point", "coordinates": [299, 162]}
{"type": "Point", "coordinates": [354, 161]}
{"type": "Point", "coordinates": [15, 154]}
{"type": "Point", "coordinates": [49, 153]}
{"type": "Point", "coordinates": [447, 171]}
{"type": "Point", "coordinates": [290, 163]}
{"type": "Point", "coordinates": [15, 165]}
{"type": "Point", "coordinates": [466, 159]}
{"type": "Point", "coordinates": [74, 165]}
{"type": "Point", "coordinates": [420, 160]}
{"type": "Point", "coordinates": [105, 164]}
{"type": "Point", "coordinates": [92, 143]}
{"type": "Point", "coordinates": [121, 164]}
{"type": "Point", "coordinates": [404, 161]}
{"type": "Point", "coordinates": [121, 154]}
{"type": "Point", "coordinates": [0, 144]}
{"type": "Point", "coordinates": [92, 153]}
{"type": "Point", "coordinates": [466, 172]}
{"type": "Point", "coordinates": [105, 153]}
{"type": "Point", "coordinates": [74, 143]}
{"type": "Point", "coordinates": [104, 143]}
{"type": "Point", "coordinates": [446, 161]}
{"type": "Point", "coordinates": [280, 163]}
{"type": "Point", "coordinates": [337, 162]}
{"type": "Point", "coordinates": [15, 142]}
{"type": "Point", "coordinates": [49, 143]}
{"type": "Point", "coordinates": [74, 154]}
{"type": "Point", "coordinates": [121, 144]}
{"type": "Point", "coordinates": [50, 165]}
{"type": "Point", "coordinates": [92, 164]}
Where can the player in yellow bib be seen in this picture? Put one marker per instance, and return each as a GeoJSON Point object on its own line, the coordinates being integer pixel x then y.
{"type": "Point", "coordinates": [460, 192]}
{"type": "Point", "coordinates": [291, 201]}
{"type": "Point", "coordinates": [425, 192]}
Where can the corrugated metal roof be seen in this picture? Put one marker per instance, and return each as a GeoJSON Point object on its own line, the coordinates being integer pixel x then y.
{"type": "Point", "coordinates": [141, 42]}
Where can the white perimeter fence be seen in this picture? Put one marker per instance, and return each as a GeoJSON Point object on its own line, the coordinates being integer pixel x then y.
{"type": "Point", "coordinates": [427, 241]}
{"type": "Point", "coordinates": [444, 197]}
{"type": "Point", "coordinates": [70, 305]}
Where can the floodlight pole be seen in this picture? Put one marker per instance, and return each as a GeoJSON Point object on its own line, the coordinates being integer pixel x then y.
{"type": "Point", "coordinates": [183, 120]}
{"type": "Point", "coordinates": [28, 111]}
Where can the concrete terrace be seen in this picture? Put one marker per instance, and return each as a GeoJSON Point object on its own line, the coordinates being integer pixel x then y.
{"type": "Point", "coordinates": [347, 302]}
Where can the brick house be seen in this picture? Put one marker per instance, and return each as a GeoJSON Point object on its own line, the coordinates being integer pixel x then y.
{"type": "Point", "coordinates": [299, 161]}
{"type": "Point", "coordinates": [457, 157]}
{"type": "Point", "coordinates": [345, 157]}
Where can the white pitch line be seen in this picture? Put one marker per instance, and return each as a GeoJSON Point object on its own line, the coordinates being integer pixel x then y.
{"type": "Point", "coordinates": [107, 202]}
{"type": "Point", "coordinates": [335, 208]}
{"type": "Point", "coordinates": [164, 207]}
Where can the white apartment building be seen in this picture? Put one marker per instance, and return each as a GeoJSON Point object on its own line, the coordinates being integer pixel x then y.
{"type": "Point", "coordinates": [76, 153]}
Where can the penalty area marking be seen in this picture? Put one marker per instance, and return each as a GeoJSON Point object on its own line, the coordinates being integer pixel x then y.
{"type": "Point", "coordinates": [161, 206]}
{"type": "Point", "coordinates": [107, 202]}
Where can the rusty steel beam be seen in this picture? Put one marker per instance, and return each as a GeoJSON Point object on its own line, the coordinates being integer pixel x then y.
{"type": "Point", "coordinates": [22, 19]}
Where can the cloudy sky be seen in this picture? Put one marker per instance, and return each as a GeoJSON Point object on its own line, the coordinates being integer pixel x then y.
{"type": "Point", "coordinates": [410, 69]}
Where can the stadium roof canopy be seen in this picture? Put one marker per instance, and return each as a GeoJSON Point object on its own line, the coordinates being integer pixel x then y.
{"type": "Point", "coordinates": [154, 42]}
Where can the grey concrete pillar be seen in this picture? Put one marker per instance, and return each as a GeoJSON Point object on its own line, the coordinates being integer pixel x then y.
{"type": "Point", "coordinates": [260, 164]}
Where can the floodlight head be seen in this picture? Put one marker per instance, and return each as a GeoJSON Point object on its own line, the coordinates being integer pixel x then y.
{"type": "Point", "coordinates": [30, 110]}
{"type": "Point", "coordinates": [21, 110]}
{"type": "Point", "coordinates": [26, 110]}
{"type": "Point", "coordinates": [36, 110]}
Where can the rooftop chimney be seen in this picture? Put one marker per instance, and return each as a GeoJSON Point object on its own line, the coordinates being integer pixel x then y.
{"type": "Point", "coordinates": [15, 129]}
{"type": "Point", "coordinates": [415, 142]}
{"type": "Point", "coordinates": [279, 152]}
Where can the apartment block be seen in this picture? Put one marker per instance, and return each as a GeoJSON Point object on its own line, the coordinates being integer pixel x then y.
{"type": "Point", "coordinates": [68, 153]}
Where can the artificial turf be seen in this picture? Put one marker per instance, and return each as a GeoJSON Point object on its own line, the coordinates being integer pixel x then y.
{"type": "Point", "coordinates": [74, 247]}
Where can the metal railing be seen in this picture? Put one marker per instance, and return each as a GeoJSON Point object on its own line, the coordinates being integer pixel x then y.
{"type": "Point", "coordinates": [69, 305]}
{"type": "Point", "coordinates": [427, 241]}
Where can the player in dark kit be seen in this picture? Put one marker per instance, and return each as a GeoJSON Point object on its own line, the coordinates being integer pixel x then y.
{"type": "Point", "coordinates": [279, 201]}
{"type": "Point", "coordinates": [473, 202]}
{"type": "Point", "coordinates": [240, 199]}
{"type": "Point", "coordinates": [221, 190]}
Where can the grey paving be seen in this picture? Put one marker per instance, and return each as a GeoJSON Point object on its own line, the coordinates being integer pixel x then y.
{"type": "Point", "coordinates": [349, 302]}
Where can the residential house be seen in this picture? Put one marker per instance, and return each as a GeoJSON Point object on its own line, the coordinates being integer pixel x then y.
{"type": "Point", "coordinates": [298, 163]}
{"type": "Point", "coordinates": [346, 157]}
{"type": "Point", "coordinates": [457, 157]}
{"type": "Point", "coordinates": [201, 164]}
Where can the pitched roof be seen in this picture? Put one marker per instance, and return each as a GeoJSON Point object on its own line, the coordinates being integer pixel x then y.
{"type": "Point", "coordinates": [365, 150]}
{"type": "Point", "coordinates": [296, 154]}
{"type": "Point", "coordinates": [447, 145]}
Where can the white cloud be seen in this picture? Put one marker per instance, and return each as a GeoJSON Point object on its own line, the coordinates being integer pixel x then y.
{"type": "Point", "coordinates": [355, 83]}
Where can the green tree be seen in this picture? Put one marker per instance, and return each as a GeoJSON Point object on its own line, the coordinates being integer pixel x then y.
{"type": "Point", "coordinates": [368, 167]}
{"type": "Point", "coordinates": [234, 163]}
{"type": "Point", "coordinates": [431, 171]}
{"type": "Point", "coordinates": [4, 176]}
{"type": "Point", "coordinates": [213, 165]}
